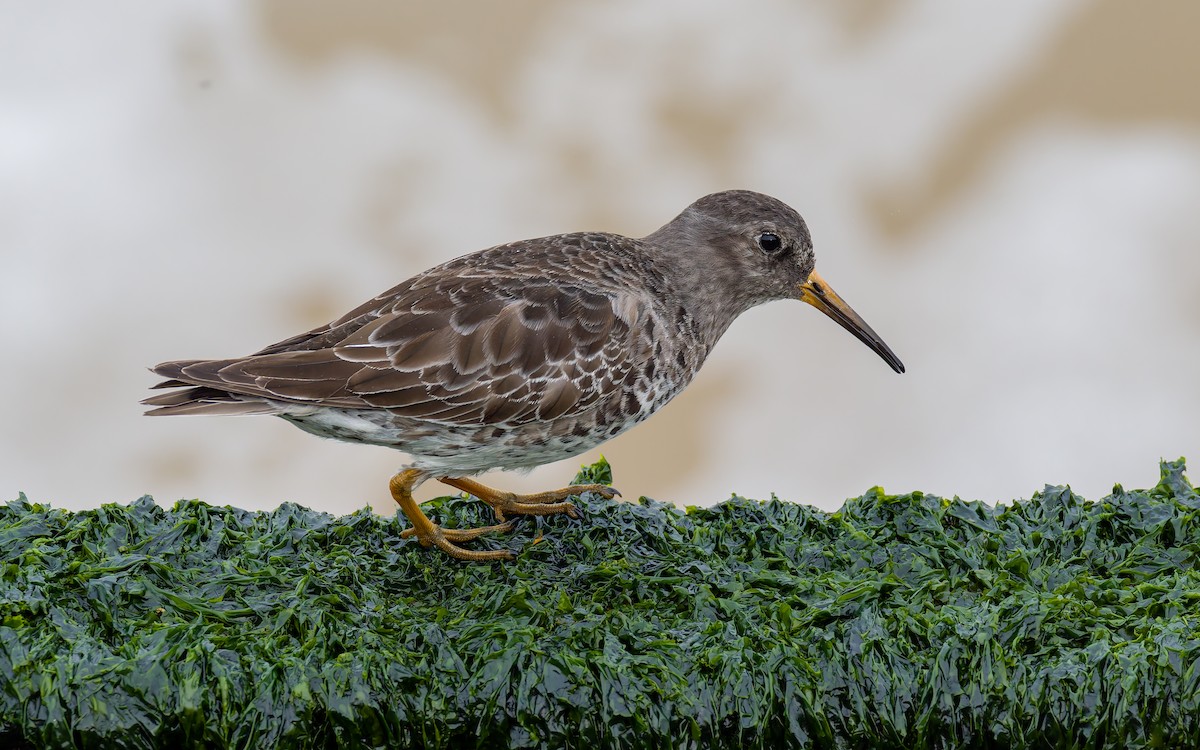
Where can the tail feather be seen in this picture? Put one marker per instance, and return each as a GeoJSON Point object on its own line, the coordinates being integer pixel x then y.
{"type": "Point", "coordinates": [174, 398]}
{"type": "Point", "coordinates": [199, 399]}
{"type": "Point", "coordinates": [171, 384]}
{"type": "Point", "coordinates": [253, 385]}
{"type": "Point", "coordinates": [172, 370]}
{"type": "Point", "coordinates": [213, 408]}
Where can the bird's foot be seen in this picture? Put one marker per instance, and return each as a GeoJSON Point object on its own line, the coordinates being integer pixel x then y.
{"type": "Point", "coordinates": [443, 539]}
{"type": "Point", "coordinates": [534, 504]}
{"type": "Point", "coordinates": [430, 534]}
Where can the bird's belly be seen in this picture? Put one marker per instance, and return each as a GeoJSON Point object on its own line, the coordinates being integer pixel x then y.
{"type": "Point", "coordinates": [464, 449]}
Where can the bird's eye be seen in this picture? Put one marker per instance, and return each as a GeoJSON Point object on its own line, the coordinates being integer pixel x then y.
{"type": "Point", "coordinates": [770, 243]}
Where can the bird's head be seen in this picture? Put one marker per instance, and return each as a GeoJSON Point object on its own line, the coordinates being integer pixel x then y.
{"type": "Point", "coordinates": [756, 248]}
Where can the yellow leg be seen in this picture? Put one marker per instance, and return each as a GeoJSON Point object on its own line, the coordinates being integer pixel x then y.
{"type": "Point", "coordinates": [538, 504]}
{"type": "Point", "coordinates": [430, 534]}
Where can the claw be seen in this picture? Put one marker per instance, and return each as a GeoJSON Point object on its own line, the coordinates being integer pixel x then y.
{"type": "Point", "coordinates": [430, 534]}
{"type": "Point", "coordinates": [537, 504]}
{"type": "Point", "coordinates": [444, 540]}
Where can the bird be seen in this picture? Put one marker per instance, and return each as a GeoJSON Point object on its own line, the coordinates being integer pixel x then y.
{"type": "Point", "coordinates": [524, 353]}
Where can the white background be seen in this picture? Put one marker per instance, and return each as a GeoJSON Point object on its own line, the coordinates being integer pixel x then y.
{"type": "Point", "coordinates": [1008, 193]}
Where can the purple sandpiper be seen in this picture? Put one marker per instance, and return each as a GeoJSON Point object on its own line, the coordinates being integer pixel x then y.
{"type": "Point", "coordinates": [525, 353]}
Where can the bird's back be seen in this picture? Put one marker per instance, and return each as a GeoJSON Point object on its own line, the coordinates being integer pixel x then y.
{"type": "Point", "coordinates": [543, 329]}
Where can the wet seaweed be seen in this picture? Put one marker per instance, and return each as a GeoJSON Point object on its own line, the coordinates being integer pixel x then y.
{"type": "Point", "coordinates": [900, 621]}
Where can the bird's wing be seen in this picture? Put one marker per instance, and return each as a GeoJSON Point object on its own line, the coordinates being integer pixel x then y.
{"type": "Point", "coordinates": [473, 350]}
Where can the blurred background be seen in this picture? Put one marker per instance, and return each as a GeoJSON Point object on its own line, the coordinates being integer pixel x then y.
{"type": "Point", "coordinates": [1008, 193]}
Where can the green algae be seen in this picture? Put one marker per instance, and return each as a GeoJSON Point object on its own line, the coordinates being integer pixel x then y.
{"type": "Point", "coordinates": [905, 621]}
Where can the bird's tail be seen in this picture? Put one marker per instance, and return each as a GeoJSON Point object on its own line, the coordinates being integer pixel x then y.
{"type": "Point", "coordinates": [188, 398]}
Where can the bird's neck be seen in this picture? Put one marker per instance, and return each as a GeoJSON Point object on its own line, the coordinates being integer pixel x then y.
{"type": "Point", "coordinates": [705, 284]}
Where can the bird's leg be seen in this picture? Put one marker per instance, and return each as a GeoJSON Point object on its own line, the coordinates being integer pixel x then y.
{"type": "Point", "coordinates": [537, 504]}
{"type": "Point", "coordinates": [430, 534]}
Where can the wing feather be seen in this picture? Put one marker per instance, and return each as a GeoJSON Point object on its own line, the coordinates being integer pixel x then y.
{"type": "Point", "coordinates": [457, 347]}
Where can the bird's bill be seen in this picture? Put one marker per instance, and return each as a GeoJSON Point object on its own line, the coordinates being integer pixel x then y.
{"type": "Point", "coordinates": [820, 295]}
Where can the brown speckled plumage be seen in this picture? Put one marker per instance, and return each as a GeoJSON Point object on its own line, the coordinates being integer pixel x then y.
{"type": "Point", "coordinates": [525, 353]}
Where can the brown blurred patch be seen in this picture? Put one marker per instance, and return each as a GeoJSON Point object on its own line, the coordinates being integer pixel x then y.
{"type": "Point", "coordinates": [479, 46]}
{"type": "Point", "coordinates": [708, 129]}
{"type": "Point", "coordinates": [862, 19]}
{"type": "Point", "coordinates": [394, 197]}
{"type": "Point", "coordinates": [171, 465]}
{"type": "Point", "coordinates": [1116, 64]}
{"type": "Point", "coordinates": [596, 204]}
{"type": "Point", "coordinates": [311, 304]}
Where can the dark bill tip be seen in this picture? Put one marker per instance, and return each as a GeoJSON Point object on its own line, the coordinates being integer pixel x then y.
{"type": "Point", "coordinates": [817, 292]}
